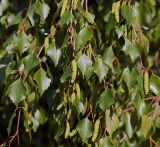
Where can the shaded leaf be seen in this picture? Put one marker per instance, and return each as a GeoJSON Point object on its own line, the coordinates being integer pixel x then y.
{"type": "Point", "coordinates": [106, 99]}
{"type": "Point", "coordinates": [40, 117]}
{"type": "Point", "coordinates": [78, 105]}
{"type": "Point", "coordinates": [66, 74]}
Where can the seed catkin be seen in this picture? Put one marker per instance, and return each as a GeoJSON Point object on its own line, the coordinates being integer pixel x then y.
{"type": "Point", "coordinates": [96, 130]}
{"type": "Point", "coordinates": [67, 132]}
{"type": "Point", "coordinates": [73, 71]}
{"type": "Point", "coordinates": [146, 82]}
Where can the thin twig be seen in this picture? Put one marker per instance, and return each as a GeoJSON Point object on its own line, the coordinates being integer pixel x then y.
{"type": "Point", "coordinates": [82, 3]}
{"type": "Point", "coordinates": [71, 29]}
{"type": "Point", "coordinates": [151, 139]}
{"type": "Point", "coordinates": [86, 5]}
{"type": "Point", "coordinates": [128, 109]}
{"type": "Point", "coordinates": [16, 134]}
{"type": "Point", "coordinates": [40, 50]}
{"type": "Point", "coordinates": [154, 98]}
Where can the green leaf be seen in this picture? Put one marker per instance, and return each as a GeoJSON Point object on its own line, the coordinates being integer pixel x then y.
{"type": "Point", "coordinates": [42, 9]}
{"type": "Point", "coordinates": [78, 105]}
{"type": "Point", "coordinates": [2, 65]}
{"type": "Point", "coordinates": [22, 42]}
{"type": "Point", "coordinates": [85, 65]}
{"type": "Point", "coordinates": [131, 49]}
{"type": "Point", "coordinates": [3, 6]}
{"type": "Point", "coordinates": [30, 62]}
{"type": "Point", "coordinates": [59, 132]}
{"type": "Point", "coordinates": [108, 55]}
{"type": "Point", "coordinates": [27, 122]}
{"type": "Point", "coordinates": [40, 117]}
{"type": "Point", "coordinates": [13, 20]}
{"type": "Point", "coordinates": [30, 15]}
{"type": "Point", "coordinates": [10, 123]}
{"type": "Point", "coordinates": [140, 106]}
{"type": "Point", "coordinates": [17, 91]}
{"type": "Point", "coordinates": [155, 84]}
{"type": "Point", "coordinates": [42, 81]}
{"type": "Point", "coordinates": [127, 122]}
{"type": "Point", "coordinates": [106, 142]}
{"type": "Point", "coordinates": [54, 53]}
{"type": "Point", "coordinates": [85, 129]}
{"type": "Point", "coordinates": [100, 69]}
{"type": "Point", "coordinates": [66, 74]}
{"type": "Point", "coordinates": [112, 122]}
{"type": "Point", "coordinates": [146, 125]}
{"type": "Point", "coordinates": [106, 99]}
{"type": "Point", "coordinates": [128, 13]}
{"type": "Point", "coordinates": [83, 36]}
{"type": "Point", "coordinates": [90, 17]}
{"type": "Point", "coordinates": [130, 77]}
{"type": "Point", "coordinates": [140, 85]}
{"type": "Point", "coordinates": [120, 30]}
{"type": "Point", "coordinates": [66, 17]}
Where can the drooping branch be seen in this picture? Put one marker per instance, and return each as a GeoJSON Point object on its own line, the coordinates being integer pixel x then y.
{"type": "Point", "coordinates": [16, 134]}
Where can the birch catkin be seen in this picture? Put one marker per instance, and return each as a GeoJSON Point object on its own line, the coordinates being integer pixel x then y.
{"type": "Point", "coordinates": [117, 10]}
{"type": "Point", "coordinates": [73, 71]}
{"type": "Point", "coordinates": [146, 82]}
{"type": "Point", "coordinates": [96, 130]}
{"type": "Point", "coordinates": [67, 132]}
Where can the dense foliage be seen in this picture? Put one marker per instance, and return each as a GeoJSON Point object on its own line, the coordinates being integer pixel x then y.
{"type": "Point", "coordinates": [79, 73]}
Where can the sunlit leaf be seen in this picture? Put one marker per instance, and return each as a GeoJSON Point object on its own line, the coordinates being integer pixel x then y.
{"type": "Point", "coordinates": [84, 129]}
{"type": "Point", "coordinates": [43, 82]}
{"type": "Point", "coordinates": [85, 65]}
{"type": "Point", "coordinates": [17, 91]}
{"type": "Point", "coordinates": [100, 69]}
{"type": "Point", "coordinates": [155, 84]}
{"type": "Point", "coordinates": [112, 122]}
{"type": "Point", "coordinates": [83, 36]}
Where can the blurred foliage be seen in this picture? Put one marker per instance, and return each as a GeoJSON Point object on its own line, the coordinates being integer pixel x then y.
{"type": "Point", "coordinates": [79, 73]}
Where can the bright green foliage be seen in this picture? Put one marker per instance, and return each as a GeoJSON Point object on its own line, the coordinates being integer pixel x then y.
{"type": "Point", "coordinates": [42, 81]}
{"type": "Point", "coordinates": [106, 99]}
{"type": "Point", "coordinates": [112, 122]}
{"type": "Point", "coordinates": [85, 129]}
{"type": "Point", "coordinates": [64, 64]}
{"type": "Point", "coordinates": [17, 91]}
